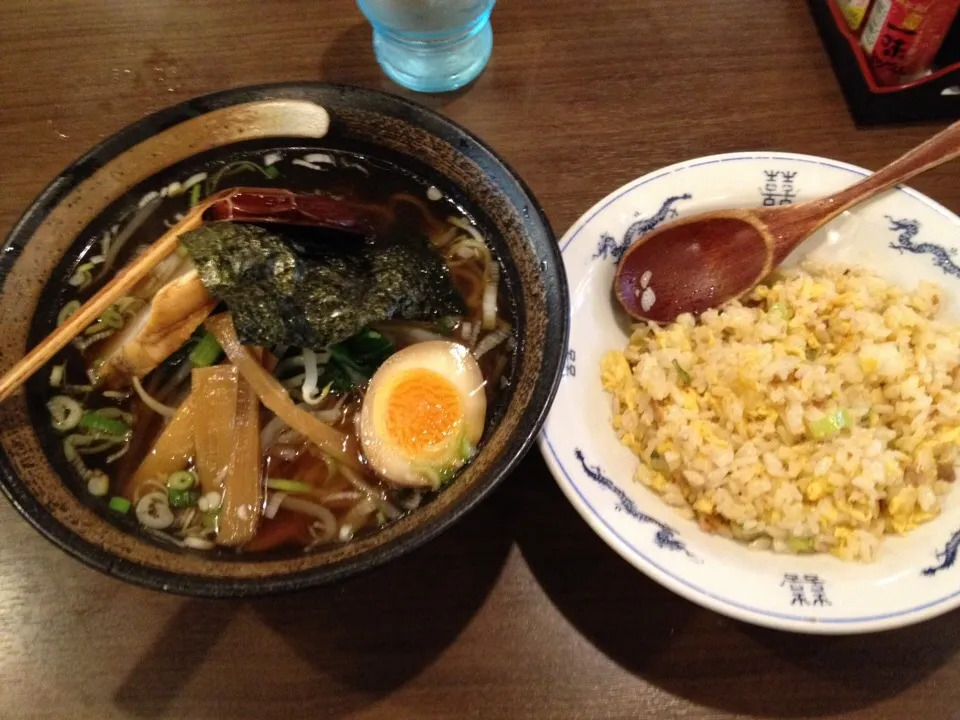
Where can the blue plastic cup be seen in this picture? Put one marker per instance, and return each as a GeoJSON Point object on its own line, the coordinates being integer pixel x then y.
{"type": "Point", "coordinates": [431, 45]}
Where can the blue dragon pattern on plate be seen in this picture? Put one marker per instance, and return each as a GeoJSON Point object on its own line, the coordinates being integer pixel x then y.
{"type": "Point", "coordinates": [902, 235]}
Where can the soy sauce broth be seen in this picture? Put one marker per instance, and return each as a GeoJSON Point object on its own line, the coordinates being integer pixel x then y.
{"type": "Point", "coordinates": [419, 206]}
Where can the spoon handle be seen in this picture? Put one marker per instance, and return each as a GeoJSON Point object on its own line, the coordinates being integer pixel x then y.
{"type": "Point", "coordinates": [810, 216]}
{"type": "Point", "coordinates": [941, 148]}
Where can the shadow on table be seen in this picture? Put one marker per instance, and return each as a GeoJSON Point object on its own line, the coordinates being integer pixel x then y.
{"type": "Point", "coordinates": [693, 653]}
{"type": "Point", "coordinates": [349, 60]}
{"type": "Point", "coordinates": [617, 608]}
{"type": "Point", "coordinates": [367, 635]}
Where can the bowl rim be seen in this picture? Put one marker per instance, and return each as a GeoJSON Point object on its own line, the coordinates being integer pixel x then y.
{"type": "Point", "coordinates": [532, 416]}
{"type": "Point", "coordinates": [639, 559]}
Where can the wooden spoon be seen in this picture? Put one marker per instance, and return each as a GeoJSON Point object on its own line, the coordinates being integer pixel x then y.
{"type": "Point", "coordinates": [700, 262]}
{"type": "Point", "coordinates": [121, 284]}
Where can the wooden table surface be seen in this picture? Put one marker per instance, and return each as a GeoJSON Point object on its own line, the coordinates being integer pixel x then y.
{"type": "Point", "coordinates": [519, 611]}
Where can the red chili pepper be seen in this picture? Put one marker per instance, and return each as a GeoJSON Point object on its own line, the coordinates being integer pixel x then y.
{"type": "Point", "coordinates": [284, 206]}
{"type": "Point", "coordinates": [285, 528]}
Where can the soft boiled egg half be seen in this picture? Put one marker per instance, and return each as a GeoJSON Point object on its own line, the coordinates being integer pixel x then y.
{"type": "Point", "coordinates": [423, 414]}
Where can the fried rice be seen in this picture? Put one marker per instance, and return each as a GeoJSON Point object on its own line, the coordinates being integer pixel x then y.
{"type": "Point", "coordinates": [817, 414]}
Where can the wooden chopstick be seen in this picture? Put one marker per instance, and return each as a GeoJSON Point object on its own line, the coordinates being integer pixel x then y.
{"type": "Point", "coordinates": [93, 308]}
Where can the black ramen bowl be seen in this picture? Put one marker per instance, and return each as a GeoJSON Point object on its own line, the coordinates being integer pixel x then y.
{"type": "Point", "coordinates": [114, 177]}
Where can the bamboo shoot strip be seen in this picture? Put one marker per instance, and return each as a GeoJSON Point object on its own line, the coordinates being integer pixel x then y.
{"type": "Point", "coordinates": [275, 397]}
{"type": "Point", "coordinates": [215, 389]}
{"type": "Point", "coordinates": [242, 492]}
{"type": "Point", "coordinates": [171, 452]}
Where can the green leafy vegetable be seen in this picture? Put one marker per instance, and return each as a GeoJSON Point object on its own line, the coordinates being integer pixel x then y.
{"type": "Point", "coordinates": [310, 289]}
{"type": "Point", "coordinates": [359, 355]}
{"type": "Point", "coordinates": [195, 194]}
{"type": "Point", "coordinates": [351, 364]}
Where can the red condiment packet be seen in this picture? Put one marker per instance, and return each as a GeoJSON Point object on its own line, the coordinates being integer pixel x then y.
{"type": "Point", "coordinates": [901, 37]}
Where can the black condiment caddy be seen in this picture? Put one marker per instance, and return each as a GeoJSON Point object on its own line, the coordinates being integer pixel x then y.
{"type": "Point", "coordinates": [934, 97]}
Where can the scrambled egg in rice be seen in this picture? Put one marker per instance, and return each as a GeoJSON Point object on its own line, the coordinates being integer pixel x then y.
{"type": "Point", "coordinates": [816, 415]}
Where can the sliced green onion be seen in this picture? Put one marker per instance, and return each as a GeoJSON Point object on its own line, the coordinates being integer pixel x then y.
{"type": "Point", "coordinates": [119, 504]}
{"type": "Point", "coordinates": [153, 511]}
{"type": "Point", "coordinates": [208, 519]}
{"type": "Point", "coordinates": [207, 351]}
{"type": "Point", "coordinates": [82, 344]}
{"type": "Point", "coordinates": [182, 480]}
{"type": "Point", "coordinates": [210, 502]}
{"type": "Point", "coordinates": [182, 250]}
{"type": "Point", "coordinates": [111, 318]}
{"type": "Point", "coordinates": [182, 498]}
{"type": "Point", "coordinates": [195, 194]}
{"type": "Point", "coordinates": [213, 182]}
{"type": "Point", "coordinates": [290, 486]}
{"type": "Point", "coordinates": [685, 378]}
{"type": "Point", "coordinates": [67, 310]}
{"type": "Point", "coordinates": [65, 412]}
{"type": "Point", "coordinates": [127, 305]}
{"type": "Point", "coordinates": [800, 545]}
{"type": "Point", "coordinates": [81, 276]}
{"type": "Point", "coordinates": [99, 422]}
{"type": "Point", "coordinates": [98, 484]}
{"type": "Point", "coordinates": [447, 474]}
{"type": "Point", "coordinates": [658, 464]}
{"type": "Point", "coordinates": [829, 425]}
{"type": "Point", "coordinates": [56, 375]}
{"type": "Point", "coordinates": [467, 450]}
{"type": "Point", "coordinates": [781, 310]}
{"type": "Point", "coordinates": [116, 414]}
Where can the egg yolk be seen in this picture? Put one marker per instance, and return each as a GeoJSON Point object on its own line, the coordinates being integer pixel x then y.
{"type": "Point", "coordinates": [423, 410]}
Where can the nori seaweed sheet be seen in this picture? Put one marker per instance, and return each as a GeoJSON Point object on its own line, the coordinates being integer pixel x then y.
{"type": "Point", "coordinates": [309, 288]}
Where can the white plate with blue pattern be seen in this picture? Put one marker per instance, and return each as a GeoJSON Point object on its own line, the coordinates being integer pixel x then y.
{"type": "Point", "coordinates": [902, 235]}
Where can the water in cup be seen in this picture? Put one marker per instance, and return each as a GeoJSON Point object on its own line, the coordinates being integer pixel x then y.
{"type": "Point", "coordinates": [431, 45]}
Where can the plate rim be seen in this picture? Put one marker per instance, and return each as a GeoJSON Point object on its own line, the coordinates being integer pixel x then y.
{"type": "Point", "coordinates": [654, 570]}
